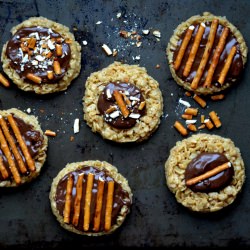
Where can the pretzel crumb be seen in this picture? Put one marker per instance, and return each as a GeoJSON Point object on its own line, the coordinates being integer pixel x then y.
{"type": "Point", "coordinates": [215, 119]}
{"type": "Point", "coordinates": [50, 133]}
{"type": "Point", "coordinates": [181, 129]}
{"type": "Point", "coordinates": [208, 124]}
{"type": "Point", "coordinates": [217, 97]}
{"type": "Point", "coordinates": [200, 101]}
{"type": "Point", "coordinates": [192, 127]}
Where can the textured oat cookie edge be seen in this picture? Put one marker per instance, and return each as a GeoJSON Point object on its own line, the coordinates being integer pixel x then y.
{"type": "Point", "coordinates": [42, 153]}
{"type": "Point", "coordinates": [150, 89]}
{"type": "Point", "coordinates": [172, 44]}
{"type": "Point", "coordinates": [100, 165]}
{"type": "Point", "coordinates": [74, 64]}
{"type": "Point", "coordinates": [206, 202]}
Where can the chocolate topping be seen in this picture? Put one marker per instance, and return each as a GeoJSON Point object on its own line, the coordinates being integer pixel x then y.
{"type": "Point", "coordinates": [203, 163]}
{"type": "Point", "coordinates": [107, 100]}
{"type": "Point", "coordinates": [236, 66]}
{"type": "Point", "coordinates": [32, 138]}
{"type": "Point", "coordinates": [37, 59]}
{"type": "Point", "coordinates": [121, 197]}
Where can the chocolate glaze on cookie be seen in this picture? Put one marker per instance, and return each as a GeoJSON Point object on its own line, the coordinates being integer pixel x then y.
{"type": "Point", "coordinates": [203, 163]}
{"type": "Point", "coordinates": [120, 198]}
{"type": "Point", "coordinates": [39, 59]}
{"type": "Point", "coordinates": [107, 100]}
{"type": "Point", "coordinates": [236, 66]}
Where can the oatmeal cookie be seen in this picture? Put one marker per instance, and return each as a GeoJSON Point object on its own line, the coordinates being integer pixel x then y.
{"type": "Point", "coordinates": [205, 172]}
{"type": "Point", "coordinates": [23, 148]}
{"type": "Point", "coordinates": [42, 56]}
{"type": "Point", "coordinates": [206, 54]}
{"type": "Point", "coordinates": [122, 103]}
{"type": "Point", "coordinates": [90, 198]}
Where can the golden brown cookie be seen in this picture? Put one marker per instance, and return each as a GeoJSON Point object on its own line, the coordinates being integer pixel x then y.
{"type": "Point", "coordinates": [206, 54]}
{"type": "Point", "coordinates": [205, 172]}
{"type": "Point", "coordinates": [90, 198]}
{"type": "Point", "coordinates": [122, 103]}
{"type": "Point", "coordinates": [42, 56]}
{"type": "Point", "coordinates": [23, 148]}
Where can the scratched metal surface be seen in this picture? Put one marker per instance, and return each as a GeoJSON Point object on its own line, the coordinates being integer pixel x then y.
{"type": "Point", "coordinates": [156, 220]}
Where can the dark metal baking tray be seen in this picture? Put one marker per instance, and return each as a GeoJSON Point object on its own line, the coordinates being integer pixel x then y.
{"type": "Point", "coordinates": [156, 220]}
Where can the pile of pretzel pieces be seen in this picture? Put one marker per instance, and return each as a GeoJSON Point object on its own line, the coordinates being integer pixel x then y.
{"type": "Point", "coordinates": [88, 196]}
{"type": "Point", "coordinates": [189, 113]}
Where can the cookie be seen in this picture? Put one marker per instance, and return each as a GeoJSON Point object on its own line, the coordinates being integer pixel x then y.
{"type": "Point", "coordinates": [90, 198]}
{"type": "Point", "coordinates": [205, 172]}
{"type": "Point", "coordinates": [23, 148]}
{"type": "Point", "coordinates": [207, 54]}
{"type": "Point", "coordinates": [42, 56]}
{"type": "Point", "coordinates": [122, 103]}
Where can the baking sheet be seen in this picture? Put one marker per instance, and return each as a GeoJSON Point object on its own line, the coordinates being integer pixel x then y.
{"type": "Point", "coordinates": [156, 220]}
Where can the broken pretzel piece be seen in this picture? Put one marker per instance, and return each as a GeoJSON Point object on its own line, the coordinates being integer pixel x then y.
{"type": "Point", "coordinates": [120, 102]}
{"type": "Point", "coordinates": [181, 129]}
{"type": "Point", "coordinates": [4, 81]}
{"type": "Point", "coordinates": [208, 174]}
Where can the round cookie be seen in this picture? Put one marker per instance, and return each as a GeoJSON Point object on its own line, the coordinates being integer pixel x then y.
{"type": "Point", "coordinates": [42, 56]}
{"type": "Point", "coordinates": [90, 198]}
{"type": "Point", "coordinates": [206, 67]}
{"type": "Point", "coordinates": [196, 156]}
{"type": "Point", "coordinates": [122, 103]}
{"type": "Point", "coordinates": [23, 148]}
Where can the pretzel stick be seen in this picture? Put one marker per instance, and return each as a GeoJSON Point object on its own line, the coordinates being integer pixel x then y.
{"type": "Point", "coordinates": [3, 170]}
{"type": "Point", "coordinates": [216, 57]}
{"type": "Point", "coordinates": [23, 146]}
{"type": "Point", "coordinates": [4, 81]}
{"type": "Point", "coordinates": [183, 47]}
{"type": "Point", "coordinates": [66, 211]}
{"type": "Point", "coordinates": [121, 103]}
{"type": "Point", "coordinates": [7, 153]}
{"type": "Point", "coordinates": [86, 218]}
{"type": "Point", "coordinates": [12, 144]}
{"type": "Point", "coordinates": [215, 119]}
{"type": "Point", "coordinates": [77, 204]}
{"type": "Point", "coordinates": [194, 49]}
{"type": "Point", "coordinates": [227, 65]}
{"type": "Point", "coordinates": [208, 174]}
{"type": "Point", "coordinates": [98, 209]}
{"type": "Point", "coordinates": [109, 206]}
{"type": "Point", "coordinates": [206, 54]}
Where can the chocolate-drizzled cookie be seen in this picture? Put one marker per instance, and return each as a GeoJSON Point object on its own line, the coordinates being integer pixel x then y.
{"type": "Point", "coordinates": [206, 54]}
{"type": "Point", "coordinates": [90, 198]}
{"type": "Point", "coordinates": [122, 103]}
{"type": "Point", "coordinates": [41, 56]}
{"type": "Point", "coordinates": [205, 172]}
{"type": "Point", "coordinates": [23, 147]}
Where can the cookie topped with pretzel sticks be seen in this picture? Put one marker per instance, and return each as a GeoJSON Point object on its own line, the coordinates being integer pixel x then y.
{"type": "Point", "coordinates": [42, 56]}
{"type": "Point", "coordinates": [206, 54]}
{"type": "Point", "coordinates": [90, 198]}
{"type": "Point", "coordinates": [23, 148]}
